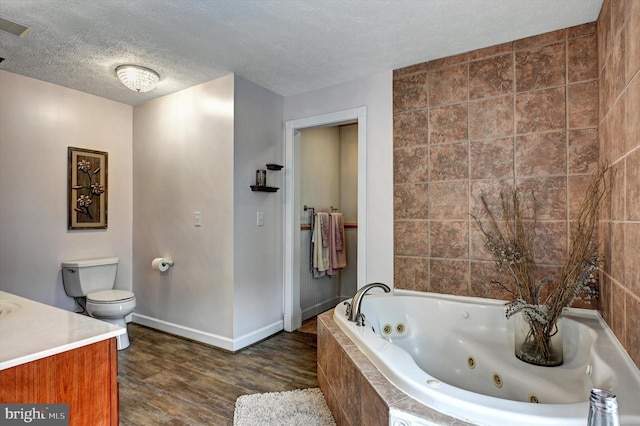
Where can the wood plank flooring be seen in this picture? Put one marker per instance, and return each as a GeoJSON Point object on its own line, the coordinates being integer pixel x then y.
{"type": "Point", "coordinates": [168, 380]}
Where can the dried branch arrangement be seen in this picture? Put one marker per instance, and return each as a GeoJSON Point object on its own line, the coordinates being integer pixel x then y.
{"type": "Point", "coordinates": [510, 238]}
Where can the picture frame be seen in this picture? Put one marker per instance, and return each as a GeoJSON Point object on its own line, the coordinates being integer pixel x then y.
{"type": "Point", "coordinates": [87, 188]}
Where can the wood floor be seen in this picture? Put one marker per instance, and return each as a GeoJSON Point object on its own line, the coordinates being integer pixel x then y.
{"type": "Point", "coordinates": [167, 380]}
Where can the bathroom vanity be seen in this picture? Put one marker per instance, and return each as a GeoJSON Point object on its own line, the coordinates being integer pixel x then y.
{"type": "Point", "coordinates": [52, 356]}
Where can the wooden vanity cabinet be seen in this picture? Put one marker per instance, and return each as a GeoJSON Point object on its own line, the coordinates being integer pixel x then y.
{"type": "Point", "coordinates": [86, 378]}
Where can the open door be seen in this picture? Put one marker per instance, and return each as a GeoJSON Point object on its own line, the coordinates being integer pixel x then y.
{"type": "Point", "coordinates": [292, 311]}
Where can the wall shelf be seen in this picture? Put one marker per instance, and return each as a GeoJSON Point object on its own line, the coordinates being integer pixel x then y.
{"type": "Point", "coordinates": [264, 188]}
{"type": "Point", "coordinates": [261, 188]}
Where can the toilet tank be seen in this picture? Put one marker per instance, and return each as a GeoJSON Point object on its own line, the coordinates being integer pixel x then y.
{"type": "Point", "coordinates": [81, 277]}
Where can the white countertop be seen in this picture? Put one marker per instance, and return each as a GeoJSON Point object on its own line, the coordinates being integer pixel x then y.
{"type": "Point", "coordinates": [31, 330]}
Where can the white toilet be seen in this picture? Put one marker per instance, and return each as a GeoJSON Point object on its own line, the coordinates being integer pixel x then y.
{"type": "Point", "coordinates": [94, 279]}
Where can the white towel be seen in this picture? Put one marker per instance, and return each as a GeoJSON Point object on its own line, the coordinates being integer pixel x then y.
{"type": "Point", "coordinates": [320, 253]}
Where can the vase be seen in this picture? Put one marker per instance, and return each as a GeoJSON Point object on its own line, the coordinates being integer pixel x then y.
{"type": "Point", "coordinates": [537, 343]}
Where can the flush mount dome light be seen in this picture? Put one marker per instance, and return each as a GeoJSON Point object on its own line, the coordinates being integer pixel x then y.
{"type": "Point", "coordinates": [137, 78]}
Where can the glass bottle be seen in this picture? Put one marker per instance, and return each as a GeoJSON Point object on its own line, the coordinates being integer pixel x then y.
{"type": "Point", "coordinates": [261, 178]}
{"type": "Point", "coordinates": [603, 409]}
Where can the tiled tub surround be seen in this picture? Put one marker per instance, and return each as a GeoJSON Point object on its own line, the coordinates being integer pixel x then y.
{"type": "Point", "coordinates": [446, 352]}
{"type": "Point", "coordinates": [619, 63]}
{"type": "Point", "coordinates": [524, 113]}
{"type": "Point", "coordinates": [356, 392]}
{"type": "Point", "coordinates": [539, 112]}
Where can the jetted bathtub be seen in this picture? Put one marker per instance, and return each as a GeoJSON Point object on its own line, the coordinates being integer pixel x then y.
{"type": "Point", "coordinates": [455, 355]}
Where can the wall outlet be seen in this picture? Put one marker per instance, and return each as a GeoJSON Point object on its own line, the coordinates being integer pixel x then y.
{"type": "Point", "coordinates": [197, 219]}
{"type": "Point", "coordinates": [260, 219]}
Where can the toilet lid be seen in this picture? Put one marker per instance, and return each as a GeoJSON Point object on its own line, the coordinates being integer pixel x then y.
{"type": "Point", "coordinates": [110, 296]}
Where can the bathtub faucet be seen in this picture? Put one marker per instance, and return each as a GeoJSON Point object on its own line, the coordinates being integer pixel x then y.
{"type": "Point", "coordinates": [353, 310]}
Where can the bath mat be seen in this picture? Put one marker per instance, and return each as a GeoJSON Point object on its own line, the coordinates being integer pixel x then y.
{"type": "Point", "coordinates": [293, 408]}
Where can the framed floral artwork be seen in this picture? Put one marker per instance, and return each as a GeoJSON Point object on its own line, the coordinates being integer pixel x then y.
{"type": "Point", "coordinates": [87, 196]}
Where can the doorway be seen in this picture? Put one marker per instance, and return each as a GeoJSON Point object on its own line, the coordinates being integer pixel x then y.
{"type": "Point", "coordinates": [293, 205]}
{"type": "Point", "coordinates": [329, 183]}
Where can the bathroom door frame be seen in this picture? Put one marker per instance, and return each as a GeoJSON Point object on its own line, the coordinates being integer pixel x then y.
{"type": "Point", "coordinates": [292, 207]}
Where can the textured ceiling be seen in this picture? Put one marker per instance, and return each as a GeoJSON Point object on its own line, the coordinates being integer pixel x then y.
{"type": "Point", "coordinates": [287, 46]}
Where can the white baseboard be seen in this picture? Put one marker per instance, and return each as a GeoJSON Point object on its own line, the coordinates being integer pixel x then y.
{"type": "Point", "coordinates": [294, 321]}
{"type": "Point", "coordinates": [209, 338]}
{"type": "Point", "coordinates": [257, 335]}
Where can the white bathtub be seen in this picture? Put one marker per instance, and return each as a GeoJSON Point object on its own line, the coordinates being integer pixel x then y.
{"type": "Point", "coordinates": [455, 355]}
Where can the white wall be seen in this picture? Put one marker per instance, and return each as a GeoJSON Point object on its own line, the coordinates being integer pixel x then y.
{"type": "Point", "coordinates": [375, 93]}
{"type": "Point", "coordinates": [349, 172]}
{"type": "Point", "coordinates": [178, 154]}
{"type": "Point", "coordinates": [38, 121]}
{"type": "Point", "coordinates": [349, 205]}
{"type": "Point", "coordinates": [183, 162]}
{"type": "Point", "coordinates": [198, 150]}
{"type": "Point", "coordinates": [258, 250]}
{"type": "Point", "coordinates": [320, 168]}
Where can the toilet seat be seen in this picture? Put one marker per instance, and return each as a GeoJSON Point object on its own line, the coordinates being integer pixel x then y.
{"type": "Point", "coordinates": [112, 306]}
{"type": "Point", "coordinates": [110, 297]}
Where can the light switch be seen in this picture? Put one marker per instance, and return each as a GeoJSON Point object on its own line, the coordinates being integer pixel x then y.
{"type": "Point", "coordinates": [197, 219]}
{"type": "Point", "coordinates": [260, 219]}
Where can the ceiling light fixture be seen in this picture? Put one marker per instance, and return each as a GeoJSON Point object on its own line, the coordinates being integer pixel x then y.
{"type": "Point", "coordinates": [137, 78]}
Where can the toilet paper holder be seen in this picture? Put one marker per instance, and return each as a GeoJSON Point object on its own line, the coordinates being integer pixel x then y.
{"type": "Point", "coordinates": [161, 264]}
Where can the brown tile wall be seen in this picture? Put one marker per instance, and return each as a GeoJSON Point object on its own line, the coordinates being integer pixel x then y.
{"type": "Point", "coordinates": [619, 123]}
{"type": "Point", "coordinates": [538, 112]}
{"type": "Point", "coordinates": [524, 112]}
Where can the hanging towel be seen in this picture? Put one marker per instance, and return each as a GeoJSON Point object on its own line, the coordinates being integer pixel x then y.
{"type": "Point", "coordinates": [338, 256]}
{"type": "Point", "coordinates": [339, 231]}
{"type": "Point", "coordinates": [324, 227]}
{"type": "Point", "coordinates": [320, 253]}
{"type": "Point", "coordinates": [312, 222]}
